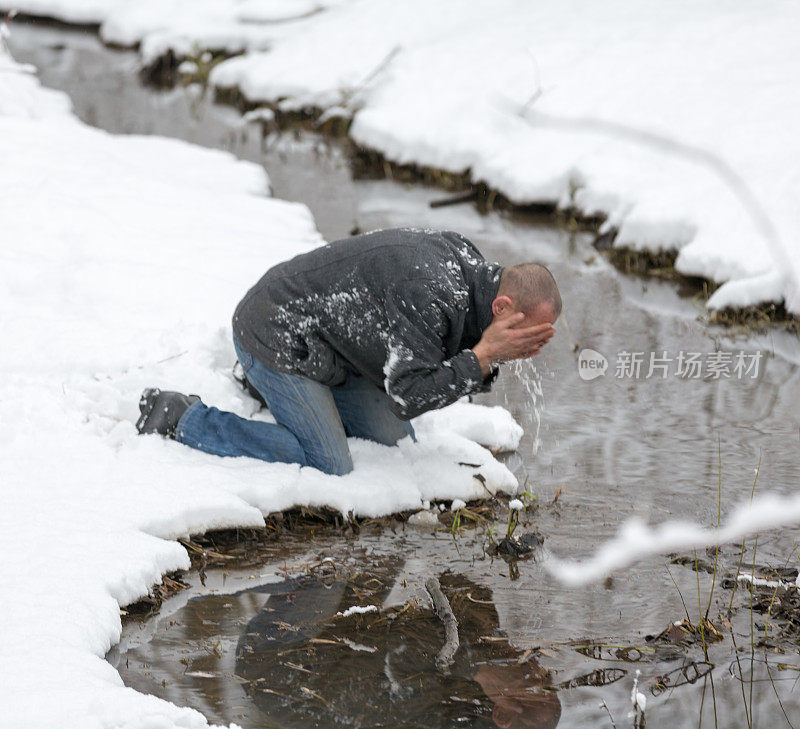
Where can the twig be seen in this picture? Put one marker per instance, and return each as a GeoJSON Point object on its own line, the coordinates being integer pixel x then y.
{"type": "Point", "coordinates": [537, 92]}
{"type": "Point", "coordinates": [199, 550]}
{"type": "Point", "coordinates": [349, 95]}
{"type": "Point", "coordinates": [378, 69]}
{"type": "Point", "coordinates": [741, 683]}
{"type": "Point", "coordinates": [716, 548]}
{"type": "Point", "coordinates": [780, 703]}
{"type": "Point", "coordinates": [752, 626]}
{"type": "Point", "coordinates": [173, 356]}
{"type": "Point", "coordinates": [445, 613]}
{"type": "Point", "coordinates": [744, 539]}
{"type": "Point", "coordinates": [604, 705]}
{"type": "Point", "coordinates": [685, 609]}
{"type": "Point", "coordinates": [700, 606]}
{"type": "Point", "coordinates": [464, 197]}
{"type": "Point", "coordinates": [713, 699]}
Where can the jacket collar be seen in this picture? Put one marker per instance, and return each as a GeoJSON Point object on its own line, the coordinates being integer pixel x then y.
{"type": "Point", "coordinates": [483, 291]}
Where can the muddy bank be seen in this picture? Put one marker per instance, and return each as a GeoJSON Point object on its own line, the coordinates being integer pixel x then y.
{"type": "Point", "coordinates": [500, 531]}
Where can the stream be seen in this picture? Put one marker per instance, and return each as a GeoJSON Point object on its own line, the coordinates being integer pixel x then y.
{"type": "Point", "coordinates": [266, 640]}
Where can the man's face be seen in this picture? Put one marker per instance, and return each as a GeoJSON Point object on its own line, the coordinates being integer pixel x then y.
{"type": "Point", "coordinates": [503, 307]}
{"type": "Point", "coordinates": [542, 314]}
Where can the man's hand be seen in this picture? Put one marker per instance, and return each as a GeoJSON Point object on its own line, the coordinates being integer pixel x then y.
{"type": "Point", "coordinates": [501, 341]}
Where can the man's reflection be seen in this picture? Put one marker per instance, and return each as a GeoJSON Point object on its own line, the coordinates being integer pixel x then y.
{"type": "Point", "coordinates": [308, 665]}
{"type": "Point", "coordinates": [517, 703]}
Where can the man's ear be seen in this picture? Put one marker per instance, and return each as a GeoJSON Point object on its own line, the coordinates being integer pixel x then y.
{"type": "Point", "coordinates": [502, 306]}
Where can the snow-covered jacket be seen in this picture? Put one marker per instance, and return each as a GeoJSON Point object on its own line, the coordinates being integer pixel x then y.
{"type": "Point", "coordinates": [401, 307]}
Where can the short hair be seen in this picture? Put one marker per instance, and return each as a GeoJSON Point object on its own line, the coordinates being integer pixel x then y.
{"type": "Point", "coordinates": [528, 285]}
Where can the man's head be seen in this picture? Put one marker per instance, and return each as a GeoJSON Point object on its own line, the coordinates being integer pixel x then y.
{"type": "Point", "coordinates": [530, 289]}
{"type": "Point", "coordinates": [520, 696]}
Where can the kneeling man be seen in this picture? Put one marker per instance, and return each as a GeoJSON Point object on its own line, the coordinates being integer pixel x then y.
{"type": "Point", "coordinates": [355, 338]}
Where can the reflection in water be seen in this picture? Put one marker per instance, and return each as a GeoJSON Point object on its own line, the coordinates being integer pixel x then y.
{"type": "Point", "coordinates": [307, 660]}
{"type": "Point", "coordinates": [690, 673]}
{"type": "Point", "coordinates": [598, 677]}
{"type": "Point", "coordinates": [318, 650]}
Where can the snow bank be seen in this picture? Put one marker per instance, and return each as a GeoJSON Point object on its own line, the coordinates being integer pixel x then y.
{"type": "Point", "coordinates": [79, 12]}
{"type": "Point", "coordinates": [152, 15]}
{"type": "Point", "coordinates": [675, 120]}
{"type": "Point", "coordinates": [122, 260]}
{"type": "Point", "coordinates": [182, 26]}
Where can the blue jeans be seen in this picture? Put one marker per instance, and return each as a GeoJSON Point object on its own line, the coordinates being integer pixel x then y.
{"type": "Point", "coordinates": [313, 420]}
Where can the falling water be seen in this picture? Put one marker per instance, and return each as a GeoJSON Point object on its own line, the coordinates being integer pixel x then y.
{"type": "Point", "coordinates": [524, 370]}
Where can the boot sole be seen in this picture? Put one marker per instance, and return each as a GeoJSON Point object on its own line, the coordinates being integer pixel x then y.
{"type": "Point", "coordinates": [146, 404]}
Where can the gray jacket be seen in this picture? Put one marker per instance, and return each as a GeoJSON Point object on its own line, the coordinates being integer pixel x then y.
{"type": "Point", "coordinates": [400, 307]}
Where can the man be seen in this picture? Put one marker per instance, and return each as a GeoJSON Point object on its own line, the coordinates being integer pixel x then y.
{"type": "Point", "coordinates": [355, 338]}
{"type": "Point", "coordinates": [378, 668]}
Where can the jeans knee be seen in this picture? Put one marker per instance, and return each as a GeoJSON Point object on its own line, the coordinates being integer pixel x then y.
{"type": "Point", "coordinates": [294, 453]}
{"type": "Point", "coordinates": [391, 432]}
{"type": "Point", "coordinates": [334, 464]}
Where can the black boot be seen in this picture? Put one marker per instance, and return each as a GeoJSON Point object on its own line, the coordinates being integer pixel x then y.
{"type": "Point", "coordinates": [161, 411]}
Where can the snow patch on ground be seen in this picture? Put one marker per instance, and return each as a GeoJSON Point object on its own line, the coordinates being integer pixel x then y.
{"type": "Point", "coordinates": [493, 427]}
{"type": "Point", "coordinates": [173, 14]}
{"type": "Point", "coordinates": [122, 260]}
{"type": "Point", "coordinates": [358, 610]}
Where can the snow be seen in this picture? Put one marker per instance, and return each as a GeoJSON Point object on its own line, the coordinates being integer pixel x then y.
{"type": "Point", "coordinates": [173, 13]}
{"type": "Point", "coordinates": [396, 357]}
{"type": "Point", "coordinates": [423, 518]}
{"type": "Point", "coordinates": [764, 582]}
{"type": "Point", "coordinates": [641, 112]}
{"type": "Point", "coordinates": [677, 121]}
{"type": "Point", "coordinates": [492, 426]}
{"type": "Point", "coordinates": [80, 12]}
{"type": "Point", "coordinates": [121, 263]}
{"type": "Point", "coordinates": [358, 610]}
{"type": "Point", "coordinates": [636, 540]}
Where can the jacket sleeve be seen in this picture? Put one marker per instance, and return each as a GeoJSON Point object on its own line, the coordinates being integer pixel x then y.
{"type": "Point", "coordinates": [417, 377]}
